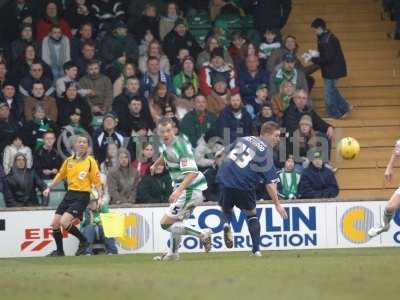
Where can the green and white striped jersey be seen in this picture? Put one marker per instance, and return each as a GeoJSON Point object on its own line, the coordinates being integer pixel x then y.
{"type": "Point", "coordinates": [180, 161]}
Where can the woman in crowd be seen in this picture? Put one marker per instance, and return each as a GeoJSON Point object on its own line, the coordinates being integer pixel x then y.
{"type": "Point", "coordinates": [51, 17]}
{"type": "Point", "coordinates": [205, 55]}
{"type": "Point", "coordinates": [281, 101]}
{"type": "Point", "coordinates": [129, 71]}
{"type": "Point", "coordinates": [154, 50]}
{"type": "Point", "coordinates": [21, 184]}
{"type": "Point", "coordinates": [111, 158]}
{"type": "Point", "coordinates": [123, 179]}
{"type": "Point", "coordinates": [18, 46]}
{"type": "Point", "coordinates": [17, 146]}
{"type": "Point", "coordinates": [161, 102]}
{"type": "Point", "coordinates": [145, 160]}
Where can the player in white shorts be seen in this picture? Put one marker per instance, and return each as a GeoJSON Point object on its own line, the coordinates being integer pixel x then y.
{"type": "Point", "coordinates": [189, 184]}
{"type": "Point", "coordinates": [394, 202]}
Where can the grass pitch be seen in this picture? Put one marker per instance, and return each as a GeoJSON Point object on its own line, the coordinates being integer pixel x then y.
{"type": "Point", "coordinates": [294, 275]}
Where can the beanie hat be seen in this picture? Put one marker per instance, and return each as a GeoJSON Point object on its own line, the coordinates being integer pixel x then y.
{"type": "Point", "coordinates": [180, 21]}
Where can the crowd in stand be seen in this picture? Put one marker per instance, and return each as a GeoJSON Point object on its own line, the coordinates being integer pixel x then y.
{"type": "Point", "coordinates": [112, 69]}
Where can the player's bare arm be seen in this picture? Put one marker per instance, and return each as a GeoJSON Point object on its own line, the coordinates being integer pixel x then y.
{"type": "Point", "coordinates": [389, 172]}
{"type": "Point", "coordinates": [273, 193]}
{"type": "Point", "coordinates": [183, 186]}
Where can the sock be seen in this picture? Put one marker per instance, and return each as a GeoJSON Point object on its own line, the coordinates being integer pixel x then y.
{"type": "Point", "coordinates": [254, 229]}
{"type": "Point", "coordinates": [227, 217]}
{"type": "Point", "coordinates": [180, 229]}
{"type": "Point", "coordinates": [58, 238]}
{"type": "Point", "coordinates": [387, 217]}
{"type": "Point", "coordinates": [75, 232]}
{"type": "Point", "coordinates": [175, 242]}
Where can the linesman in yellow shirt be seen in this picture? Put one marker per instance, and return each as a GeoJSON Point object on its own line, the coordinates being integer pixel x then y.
{"type": "Point", "coordinates": [82, 172]}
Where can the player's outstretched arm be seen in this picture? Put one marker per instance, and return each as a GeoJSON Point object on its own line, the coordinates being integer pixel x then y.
{"type": "Point", "coordinates": [189, 177]}
{"type": "Point", "coordinates": [273, 193]}
{"type": "Point", "coordinates": [62, 173]}
{"type": "Point", "coordinates": [389, 172]}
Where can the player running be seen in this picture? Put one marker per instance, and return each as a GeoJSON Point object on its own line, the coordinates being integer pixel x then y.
{"type": "Point", "coordinates": [249, 162]}
{"type": "Point", "coordinates": [189, 185]}
{"type": "Point", "coordinates": [394, 202]}
{"type": "Point", "coordinates": [81, 171]}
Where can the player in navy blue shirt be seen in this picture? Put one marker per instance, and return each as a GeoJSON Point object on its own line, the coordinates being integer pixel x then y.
{"type": "Point", "coordinates": [248, 163]}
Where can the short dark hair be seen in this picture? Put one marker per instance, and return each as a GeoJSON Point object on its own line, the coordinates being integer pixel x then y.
{"type": "Point", "coordinates": [152, 58]}
{"type": "Point", "coordinates": [318, 23]}
{"type": "Point", "coordinates": [93, 62]}
{"type": "Point", "coordinates": [89, 44]}
{"type": "Point", "coordinates": [69, 65]}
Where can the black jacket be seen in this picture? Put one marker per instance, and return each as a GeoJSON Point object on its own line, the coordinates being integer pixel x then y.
{"type": "Point", "coordinates": [270, 13]}
{"type": "Point", "coordinates": [142, 25]}
{"type": "Point", "coordinates": [236, 127]}
{"type": "Point", "coordinates": [154, 189]}
{"type": "Point", "coordinates": [292, 116]}
{"type": "Point", "coordinates": [317, 183]}
{"type": "Point", "coordinates": [331, 58]}
{"type": "Point", "coordinates": [174, 42]}
{"type": "Point", "coordinates": [8, 129]}
{"type": "Point", "coordinates": [127, 122]}
{"type": "Point", "coordinates": [20, 188]}
{"type": "Point", "coordinates": [16, 109]}
{"type": "Point", "coordinates": [100, 141]}
{"type": "Point", "coordinates": [66, 107]}
{"type": "Point", "coordinates": [46, 160]}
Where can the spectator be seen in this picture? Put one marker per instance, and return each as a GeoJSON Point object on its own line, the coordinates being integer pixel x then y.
{"type": "Point", "coordinates": [136, 141]}
{"type": "Point", "coordinates": [13, 16]}
{"type": "Point", "coordinates": [131, 121]}
{"type": "Point", "coordinates": [10, 152]}
{"type": "Point", "coordinates": [71, 101]}
{"type": "Point", "coordinates": [154, 50]}
{"type": "Point", "coordinates": [153, 76]}
{"type": "Point", "coordinates": [119, 46]}
{"type": "Point", "coordinates": [132, 89]}
{"type": "Point", "coordinates": [111, 159]}
{"type": "Point", "coordinates": [167, 22]}
{"type": "Point", "coordinates": [106, 11]}
{"type": "Point", "coordinates": [287, 72]}
{"type": "Point", "coordinates": [8, 127]}
{"type": "Point", "coordinates": [34, 130]}
{"type": "Point", "coordinates": [50, 18]}
{"type": "Point", "coordinates": [178, 66]}
{"type": "Point", "coordinates": [271, 43]}
{"type": "Point", "coordinates": [85, 35]}
{"type": "Point", "coordinates": [220, 8]}
{"type": "Point", "coordinates": [199, 121]}
{"type": "Point", "coordinates": [155, 188]}
{"type": "Point", "coordinates": [145, 160]}
{"type": "Point", "coordinates": [290, 46]}
{"type": "Point", "coordinates": [251, 79]}
{"type": "Point", "coordinates": [26, 38]}
{"type": "Point", "coordinates": [70, 76]}
{"type": "Point", "coordinates": [317, 181]}
{"type": "Point", "coordinates": [217, 68]}
{"type": "Point", "coordinates": [281, 101]}
{"type": "Point", "coordinates": [88, 54]}
{"type": "Point", "coordinates": [21, 184]}
{"type": "Point", "coordinates": [69, 131]}
{"type": "Point", "coordinates": [180, 38]}
{"type": "Point", "coordinates": [288, 180]}
{"type": "Point", "coordinates": [238, 41]}
{"type": "Point", "coordinates": [106, 135]}
{"type": "Point", "coordinates": [100, 95]}
{"type": "Point", "coordinates": [161, 102]}
{"type": "Point", "coordinates": [297, 108]}
{"type": "Point", "coordinates": [260, 100]}
{"type": "Point", "coordinates": [123, 180]}
{"type": "Point", "coordinates": [185, 102]}
{"type": "Point", "coordinates": [79, 12]}
{"type": "Point", "coordinates": [128, 71]}
{"type": "Point", "coordinates": [206, 151]}
{"type": "Point", "coordinates": [333, 67]}
{"type": "Point", "coordinates": [205, 56]}
{"type": "Point", "coordinates": [249, 49]}
{"type": "Point", "coordinates": [265, 115]}
{"type": "Point", "coordinates": [36, 74]}
{"type": "Point", "coordinates": [39, 97]}
{"type": "Point", "coordinates": [14, 102]}
{"type": "Point", "coordinates": [270, 13]}
{"type": "Point", "coordinates": [147, 23]}
{"type": "Point", "coordinates": [92, 228]}
{"type": "Point", "coordinates": [187, 74]}
{"type": "Point", "coordinates": [56, 51]}
{"type": "Point", "coordinates": [219, 98]}
{"type": "Point", "coordinates": [3, 74]}
{"type": "Point", "coordinates": [234, 121]}
{"type": "Point", "coordinates": [46, 160]}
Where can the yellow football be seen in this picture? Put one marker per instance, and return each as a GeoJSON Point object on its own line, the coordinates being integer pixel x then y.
{"type": "Point", "coordinates": [348, 148]}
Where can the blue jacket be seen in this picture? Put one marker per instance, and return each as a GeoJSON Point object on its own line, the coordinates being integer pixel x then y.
{"type": "Point", "coordinates": [317, 183]}
{"type": "Point", "coordinates": [248, 86]}
{"type": "Point", "coordinates": [147, 85]}
{"type": "Point", "coordinates": [237, 128]}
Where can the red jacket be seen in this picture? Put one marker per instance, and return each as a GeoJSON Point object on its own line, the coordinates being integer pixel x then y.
{"type": "Point", "coordinates": [43, 28]}
{"type": "Point", "coordinates": [142, 167]}
{"type": "Point", "coordinates": [208, 75]}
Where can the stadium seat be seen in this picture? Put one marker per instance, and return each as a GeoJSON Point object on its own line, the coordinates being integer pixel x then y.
{"type": "Point", "coordinates": [55, 198]}
{"type": "Point", "coordinates": [2, 202]}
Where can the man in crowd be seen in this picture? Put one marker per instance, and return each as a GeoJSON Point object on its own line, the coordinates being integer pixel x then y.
{"type": "Point", "coordinates": [40, 98]}
{"type": "Point", "coordinates": [47, 161]}
{"type": "Point", "coordinates": [36, 74]}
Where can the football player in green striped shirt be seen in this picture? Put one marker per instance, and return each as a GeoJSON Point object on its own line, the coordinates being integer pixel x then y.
{"type": "Point", "coordinates": [188, 183]}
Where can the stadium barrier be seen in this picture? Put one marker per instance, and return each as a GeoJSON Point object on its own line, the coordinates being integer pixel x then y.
{"type": "Point", "coordinates": [312, 224]}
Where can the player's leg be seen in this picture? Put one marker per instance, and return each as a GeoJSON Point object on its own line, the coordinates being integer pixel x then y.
{"type": "Point", "coordinates": [390, 209]}
{"type": "Point", "coordinates": [226, 204]}
{"type": "Point", "coordinates": [66, 223]}
{"type": "Point", "coordinates": [254, 229]}
{"type": "Point", "coordinates": [57, 235]}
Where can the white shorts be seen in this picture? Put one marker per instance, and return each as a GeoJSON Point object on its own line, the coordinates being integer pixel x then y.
{"type": "Point", "coordinates": [183, 207]}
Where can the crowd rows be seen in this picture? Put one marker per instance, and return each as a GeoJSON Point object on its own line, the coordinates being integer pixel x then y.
{"type": "Point", "coordinates": [88, 66]}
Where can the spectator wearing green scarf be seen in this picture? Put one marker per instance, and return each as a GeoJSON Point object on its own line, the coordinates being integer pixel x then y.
{"type": "Point", "coordinates": [289, 180]}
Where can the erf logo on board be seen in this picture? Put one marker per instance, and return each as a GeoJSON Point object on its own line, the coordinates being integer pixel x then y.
{"type": "Point", "coordinates": [355, 224]}
{"type": "Point", "coordinates": [37, 239]}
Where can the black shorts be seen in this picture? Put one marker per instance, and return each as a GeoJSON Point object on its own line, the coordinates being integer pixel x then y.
{"type": "Point", "coordinates": [230, 197]}
{"type": "Point", "coordinates": [74, 203]}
